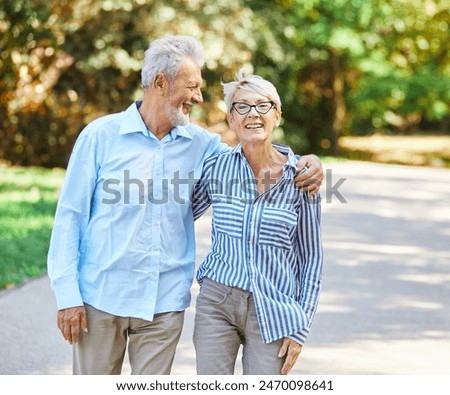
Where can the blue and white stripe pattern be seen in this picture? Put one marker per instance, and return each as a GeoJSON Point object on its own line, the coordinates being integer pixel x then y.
{"type": "Point", "coordinates": [268, 244]}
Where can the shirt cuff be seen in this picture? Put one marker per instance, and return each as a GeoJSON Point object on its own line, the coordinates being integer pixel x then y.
{"type": "Point", "coordinates": [300, 336]}
{"type": "Point", "coordinates": [67, 294]}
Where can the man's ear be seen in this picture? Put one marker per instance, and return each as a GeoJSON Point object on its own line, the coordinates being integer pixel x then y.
{"type": "Point", "coordinates": [160, 82]}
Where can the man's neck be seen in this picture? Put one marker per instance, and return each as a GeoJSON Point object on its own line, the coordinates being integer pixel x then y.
{"type": "Point", "coordinates": [155, 118]}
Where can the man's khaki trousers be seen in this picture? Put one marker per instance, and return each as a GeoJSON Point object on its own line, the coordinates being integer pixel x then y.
{"type": "Point", "coordinates": [151, 344]}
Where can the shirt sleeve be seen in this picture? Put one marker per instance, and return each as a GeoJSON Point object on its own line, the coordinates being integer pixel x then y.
{"type": "Point", "coordinates": [311, 261]}
{"type": "Point", "coordinates": [215, 146]}
{"type": "Point", "coordinates": [70, 222]}
{"type": "Point", "coordinates": [201, 196]}
{"type": "Point", "coordinates": [300, 337]}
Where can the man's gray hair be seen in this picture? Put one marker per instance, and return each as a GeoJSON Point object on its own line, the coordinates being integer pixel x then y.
{"type": "Point", "coordinates": [164, 55]}
{"type": "Point", "coordinates": [252, 83]}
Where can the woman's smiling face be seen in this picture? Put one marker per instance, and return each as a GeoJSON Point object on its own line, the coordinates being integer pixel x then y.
{"type": "Point", "coordinates": [253, 126]}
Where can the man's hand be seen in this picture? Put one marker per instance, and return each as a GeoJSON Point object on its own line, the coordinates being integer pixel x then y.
{"type": "Point", "coordinates": [309, 174]}
{"type": "Point", "coordinates": [291, 349]}
{"type": "Point", "coordinates": [70, 321]}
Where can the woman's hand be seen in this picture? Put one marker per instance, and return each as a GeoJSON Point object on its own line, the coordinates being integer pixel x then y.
{"type": "Point", "coordinates": [291, 350]}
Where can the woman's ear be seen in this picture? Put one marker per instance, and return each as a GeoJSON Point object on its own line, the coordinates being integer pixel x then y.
{"type": "Point", "coordinates": [230, 120]}
{"type": "Point", "coordinates": [277, 118]}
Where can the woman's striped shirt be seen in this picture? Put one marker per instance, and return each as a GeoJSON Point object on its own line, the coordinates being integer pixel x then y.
{"type": "Point", "coordinates": [268, 244]}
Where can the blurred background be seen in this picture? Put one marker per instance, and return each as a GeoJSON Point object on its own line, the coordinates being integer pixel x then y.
{"type": "Point", "coordinates": [343, 68]}
{"type": "Point", "coordinates": [365, 80]}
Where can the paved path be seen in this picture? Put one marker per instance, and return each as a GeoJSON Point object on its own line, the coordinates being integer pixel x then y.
{"type": "Point", "coordinates": [385, 305]}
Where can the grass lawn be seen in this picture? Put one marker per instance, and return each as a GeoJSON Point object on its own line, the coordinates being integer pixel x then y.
{"type": "Point", "coordinates": [28, 198]}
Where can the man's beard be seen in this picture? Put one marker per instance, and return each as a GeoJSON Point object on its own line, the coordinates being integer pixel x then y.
{"type": "Point", "coordinates": [180, 118]}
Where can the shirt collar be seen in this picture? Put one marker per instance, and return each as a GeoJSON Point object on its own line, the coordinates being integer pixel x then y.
{"type": "Point", "coordinates": [132, 122]}
{"type": "Point", "coordinates": [284, 149]}
{"type": "Point", "coordinates": [181, 131]}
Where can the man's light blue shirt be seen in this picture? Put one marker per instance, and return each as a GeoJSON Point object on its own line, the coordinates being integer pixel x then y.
{"type": "Point", "coordinates": [123, 239]}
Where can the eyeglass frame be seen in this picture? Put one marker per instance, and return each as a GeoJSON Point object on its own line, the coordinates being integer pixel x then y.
{"type": "Point", "coordinates": [255, 106]}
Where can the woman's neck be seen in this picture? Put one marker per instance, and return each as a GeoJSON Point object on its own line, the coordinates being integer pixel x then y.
{"type": "Point", "coordinates": [266, 162]}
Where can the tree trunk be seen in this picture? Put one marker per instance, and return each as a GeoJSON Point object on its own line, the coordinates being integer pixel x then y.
{"type": "Point", "coordinates": [338, 115]}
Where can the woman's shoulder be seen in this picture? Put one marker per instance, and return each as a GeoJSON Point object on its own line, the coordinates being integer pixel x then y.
{"type": "Point", "coordinates": [222, 158]}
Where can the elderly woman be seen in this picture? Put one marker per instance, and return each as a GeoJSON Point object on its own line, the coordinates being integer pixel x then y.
{"type": "Point", "coordinates": [260, 282]}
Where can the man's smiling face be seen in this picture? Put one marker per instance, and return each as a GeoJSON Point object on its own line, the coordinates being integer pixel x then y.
{"type": "Point", "coordinates": [184, 92]}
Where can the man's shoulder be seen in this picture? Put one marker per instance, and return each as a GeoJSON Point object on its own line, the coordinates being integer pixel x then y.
{"type": "Point", "coordinates": [104, 122]}
{"type": "Point", "coordinates": [101, 128]}
{"type": "Point", "coordinates": [199, 131]}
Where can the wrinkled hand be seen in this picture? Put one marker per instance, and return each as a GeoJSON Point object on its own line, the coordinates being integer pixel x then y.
{"type": "Point", "coordinates": [70, 321]}
{"type": "Point", "coordinates": [291, 349]}
{"type": "Point", "coordinates": [309, 180]}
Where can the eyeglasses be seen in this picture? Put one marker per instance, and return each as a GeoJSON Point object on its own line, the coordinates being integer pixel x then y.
{"type": "Point", "coordinates": [243, 108]}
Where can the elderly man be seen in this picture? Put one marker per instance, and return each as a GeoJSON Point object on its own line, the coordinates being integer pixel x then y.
{"type": "Point", "coordinates": [122, 251]}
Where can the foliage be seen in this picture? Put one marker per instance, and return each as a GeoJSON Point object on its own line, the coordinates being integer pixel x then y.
{"type": "Point", "coordinates": [352, 67]}
{"type": "Point", "coordinates": [342, 67]}
{"type": "Point", "coordinates": [405, 82]}
{"type": "Point", "coordinates": [64, 63]}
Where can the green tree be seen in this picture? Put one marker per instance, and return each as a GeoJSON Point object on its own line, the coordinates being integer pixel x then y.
{"type": "Point", "coordinates": [64, 63]}
{"type": "Point", "coordinates": [336, 65]}
{"type": "Point", "coordinates": [341, 67]}
{"type": "Point", "coordinates": [404, 84]}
